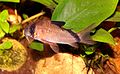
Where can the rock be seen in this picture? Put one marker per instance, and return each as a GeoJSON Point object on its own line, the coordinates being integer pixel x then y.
{"type": "Point", "coordinates": [116, 47]}
{"type": "Point", "coordinates": [62, 63]}
{"type": "Point", "coordinates": [14, 58]}
{"type": "Point", "coordinates": [116, 60]}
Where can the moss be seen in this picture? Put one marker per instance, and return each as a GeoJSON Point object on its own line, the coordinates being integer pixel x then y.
{"type": "Point", "coordinates": [14, 58]}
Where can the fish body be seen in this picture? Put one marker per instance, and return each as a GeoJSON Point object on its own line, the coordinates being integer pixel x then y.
{"type": "Point", "coordinates": [49, 32]}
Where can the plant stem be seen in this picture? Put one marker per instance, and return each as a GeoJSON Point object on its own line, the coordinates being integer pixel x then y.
{"type": "Point", "coordinates": [33, 17]}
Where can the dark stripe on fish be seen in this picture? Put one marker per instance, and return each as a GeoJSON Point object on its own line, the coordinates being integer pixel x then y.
{"type": "Point", "coordinates": [32, 29]}
{"type": "Point", "coordinates": [77, 38]}
{"type": "Point", "coordinates": [58, 23]}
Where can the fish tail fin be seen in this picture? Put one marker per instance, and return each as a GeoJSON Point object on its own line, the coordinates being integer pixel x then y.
{"type": "Point", "coordinates": [85, 37]}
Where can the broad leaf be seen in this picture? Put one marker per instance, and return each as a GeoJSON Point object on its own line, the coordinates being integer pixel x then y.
{"type": "Point", "coordinates": [14, 28]}
{"type": "Point", "coordinates": [6, 45]}
{"type": "Point", "coordinates": [4, 26]}
{"type": "Point", "coordinates": [103, 36]}
{"type": "Point", "coordinates": [115, 17]}
{"type": "Point", "coordinates": [4, 15]}
{"type": "Point", "coordinates": [49, 3]}
{"type": "Point", "coordinates": [16, 1]}
{"type": "Point", "coordinates": [36, 46]}
{"type": "Point", "coordinates": [79, 14]}
{"type": "Point", "coordinates": [57, 1]}
{"type": "Point", "coordinates": [3, 21]}
{"type": "Point", "coordinates": [1, 33]}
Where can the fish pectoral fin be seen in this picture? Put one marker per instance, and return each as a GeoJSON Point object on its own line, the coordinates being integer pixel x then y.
{"type": "Point", "coordinates": [53, 46]}
{"type": "Point", "coordinates": [58, 23]}
{"type": "Point", "coordinates": [75, 45]}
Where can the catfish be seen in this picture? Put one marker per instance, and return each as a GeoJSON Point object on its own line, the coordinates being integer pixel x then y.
{"type": "Point", "coordinates": [52, 33]}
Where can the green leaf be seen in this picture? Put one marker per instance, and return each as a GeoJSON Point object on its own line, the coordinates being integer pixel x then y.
{"type": "Point", "coordinates": [25, 16]}
{"type": "Point", "coordinates": [103, 36]}
{"type": "Point", "coordinates": [36, 45]}
{"type": "Point", "coordinates": [4, 15]}
{"type": "Point", "coordinates": [6, 45]}
{"type": "Point", "coordinates": [79, 14]}
{"type": "Point", "coordinates": [1, 33]}
{"type": "Point", "coordinates": [16, 1]}
{"type": "Point", "coordinates": [89, 49]}
{"type": "Point", "coordinates": [14, 28]}
{"type": "Point", "coordinates": [57, 1]}
{"type": "Point", "coordinates": [89, 52]}
{"type": "Point", "coordinates": [5, 26]}
{"type": "Point", "coordinates": [1, 52]}
{"type": "Point", "coordinates": [49, 3]}
{"type": "Point", "coordinates": [115, 17]}
{"type": "Point", "coordinates": [112, 29]}
{"type": "Point", "coordinates": [3, 21]}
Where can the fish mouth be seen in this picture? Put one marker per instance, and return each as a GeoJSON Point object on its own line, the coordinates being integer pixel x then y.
{"type": "Point", "coordinates": [27, 35]}
{"type": "Point", "coordinates": [27, 39]}
{"type": "Point", "coordinates": [29, 32]}
{"type": "Point", "coordinates": [26, 31]}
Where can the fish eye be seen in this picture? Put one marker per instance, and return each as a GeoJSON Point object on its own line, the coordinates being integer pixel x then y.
{"type": "Point", "coordinates": [26, 31]}
{"type": "Point", "coordinates": [32, 29]}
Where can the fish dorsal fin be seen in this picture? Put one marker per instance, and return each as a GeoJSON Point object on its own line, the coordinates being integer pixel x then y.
{"type": "Point", "coordinates": [58, 23]}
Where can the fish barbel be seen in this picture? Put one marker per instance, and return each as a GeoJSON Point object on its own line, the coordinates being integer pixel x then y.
{"type": "Point", "coordinates": [52, 32]}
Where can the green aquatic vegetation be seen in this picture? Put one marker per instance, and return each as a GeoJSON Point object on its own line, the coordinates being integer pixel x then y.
{"type": "Point", "coordinates": [103, 36]}
{"type": "Point", "coordinates": [14, 57]}
{"type": "Point", "coordinates": [6, 45]}
{"type": "Point", "coordinates": [79, 14]}
{"type": "Point", "coordinates": [36, 46]}
{"type": "Point", "coordinates": [115, 17]}
{"type": "Point", "coordinates": [49, 3]}
{"type": "Point", "coordinates": [5, 27]}
{"type": "Point", "coordinates": [16, 1]}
